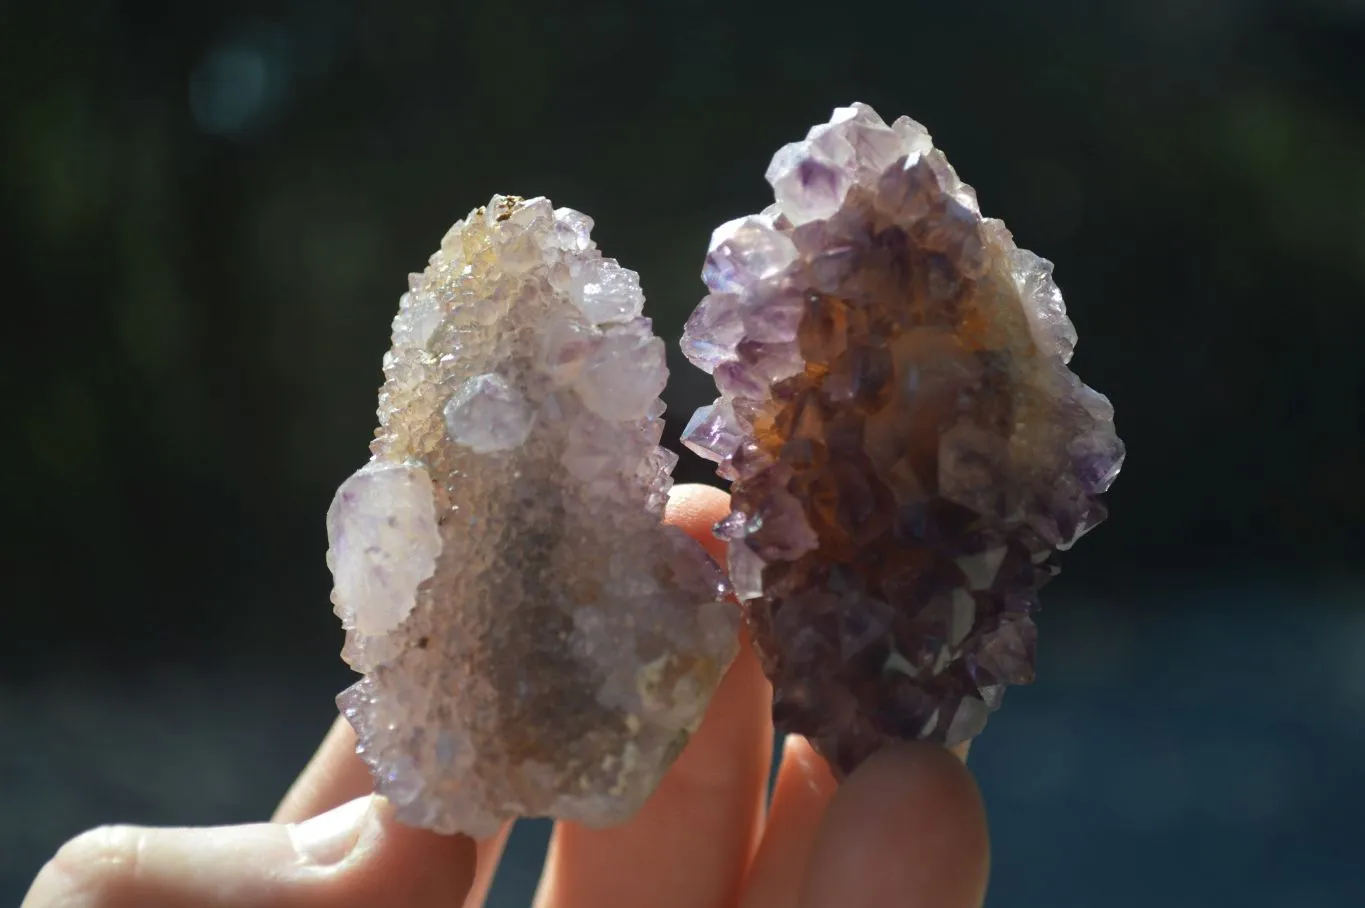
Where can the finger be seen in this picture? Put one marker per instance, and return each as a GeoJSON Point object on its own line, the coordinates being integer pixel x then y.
{"type": "Point", "coordinates": [907, 828]}
{"type": "Point", "coordinates": [334, 776]}
{"type": "Point", "coordinates": [353, 855]}
{"type": "Point", "coordinates": [690, 843]}
{"type": "Point", "coordinates": [801, 795]}
{"type": "Point", "coordinates": [803, 790]}
{"type": "Point", "coordinates": [488, 856]}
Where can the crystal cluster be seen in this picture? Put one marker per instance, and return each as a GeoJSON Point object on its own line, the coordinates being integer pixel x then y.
{"type": "Point", "coordinates": [907, 445]}
{"type": "Point", "coordinates": [534, 642]}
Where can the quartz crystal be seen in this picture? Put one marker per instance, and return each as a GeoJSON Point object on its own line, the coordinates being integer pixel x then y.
{"type": "Point", "coordinates": [534, 642]}
{"type": "Point", "coordinates": [907, 446]}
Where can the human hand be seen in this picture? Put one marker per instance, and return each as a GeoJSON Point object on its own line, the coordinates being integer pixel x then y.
{"type": "Point", "coordinates": [907, 828]}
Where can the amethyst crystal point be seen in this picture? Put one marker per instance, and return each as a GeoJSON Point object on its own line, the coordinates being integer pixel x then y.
{"type": "Point", "coordinates": [907, 444]}
{"type": "Point", "coordinates": [534, 641]}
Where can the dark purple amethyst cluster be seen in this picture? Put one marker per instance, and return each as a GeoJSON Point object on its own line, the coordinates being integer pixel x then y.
{"type": "Point", "coordinates": [907, 446]}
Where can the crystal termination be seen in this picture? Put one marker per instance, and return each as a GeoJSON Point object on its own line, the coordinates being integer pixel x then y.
{"type": "Point", "coordinates": [907, 445]}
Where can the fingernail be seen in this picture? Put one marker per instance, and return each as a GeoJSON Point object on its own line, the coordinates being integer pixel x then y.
{"type": "Point", "coordinates": [327, 839]}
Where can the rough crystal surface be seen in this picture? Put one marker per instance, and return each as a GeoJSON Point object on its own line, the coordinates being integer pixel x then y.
{"type": "Point", "coordinates": [533, 641]}
{"type": "Point", "coordinates": [907, 445]}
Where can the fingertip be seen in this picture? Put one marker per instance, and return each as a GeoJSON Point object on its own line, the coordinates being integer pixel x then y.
{"type": "Point", "coordinates": [912, 774]}
{"type": "Point", "coordinates": [812, 769]}
{"type": "Point", "coordinates": [908, 825]}
{"type": "Point", "coordinates": [695, 509]}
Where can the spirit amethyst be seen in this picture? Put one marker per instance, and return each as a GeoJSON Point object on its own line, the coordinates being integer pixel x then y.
{"type": "Point", "coordinates": [534, 641]}
{"type": "Point", "coordinates": [907, 446]}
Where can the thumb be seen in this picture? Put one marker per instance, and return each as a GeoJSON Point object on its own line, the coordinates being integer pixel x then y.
{"type": "Point", "coordinates": [352, 855]}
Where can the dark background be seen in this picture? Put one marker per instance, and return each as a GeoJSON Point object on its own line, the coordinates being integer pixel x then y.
{"type": "Point", "coordinates": [209, 211]}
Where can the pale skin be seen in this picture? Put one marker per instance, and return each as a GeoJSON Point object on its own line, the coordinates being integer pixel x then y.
{"type": "Point", "coordinates": [908, 828]}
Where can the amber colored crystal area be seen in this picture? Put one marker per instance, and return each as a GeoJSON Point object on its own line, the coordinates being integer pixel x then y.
{"type": "Point", "coordinates": [860, 635]}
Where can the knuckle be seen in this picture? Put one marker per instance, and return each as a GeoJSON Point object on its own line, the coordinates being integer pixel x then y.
{"type": "Point", "coordinates": [99, 868]}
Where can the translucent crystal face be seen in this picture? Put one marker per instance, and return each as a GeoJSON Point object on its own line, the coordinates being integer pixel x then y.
{"type": "Point", "coordinates": [534, 641]}
{"type": "Point", "coordinates": [907, 444]}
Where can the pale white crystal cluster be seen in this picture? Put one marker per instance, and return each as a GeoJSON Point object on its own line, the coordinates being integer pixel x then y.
{"type": "Point", "coordinates": [534, 641]}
